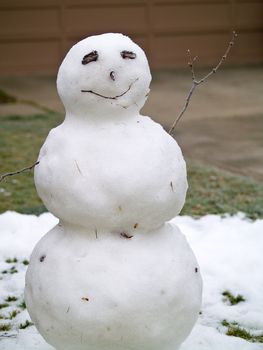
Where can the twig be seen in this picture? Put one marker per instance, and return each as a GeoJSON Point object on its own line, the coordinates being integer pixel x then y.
{"type": "Point", "coordinates": [114, 97]}
{"type": "Point", "coordinates": [28, 168]}
{"type": "Point", "coordinates": [196, 82]}
{"type": "Point", "coordinates": [191, 64]}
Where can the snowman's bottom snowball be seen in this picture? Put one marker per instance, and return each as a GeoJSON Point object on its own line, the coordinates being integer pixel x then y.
{"type": "Point", "coordinates": [111, 292]}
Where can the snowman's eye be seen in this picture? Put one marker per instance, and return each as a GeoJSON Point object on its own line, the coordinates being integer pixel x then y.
{"type": "Point", "coordinates": [128, 54]}
{"type": "Point", "coordinates": [90, 57]}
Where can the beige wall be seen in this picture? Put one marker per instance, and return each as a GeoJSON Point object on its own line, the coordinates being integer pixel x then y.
{"type": "Point", "coordinates": [35, 34]}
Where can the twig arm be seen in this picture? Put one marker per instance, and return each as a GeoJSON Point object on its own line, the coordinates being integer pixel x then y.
{"type": "Point", "coordinates": [223, 58]}
{"type": "Point", "coordinates": [28, 168]}
{"type": "Point", "coordinates": [194, 85]}
{"type": "Point", "coordinates": [196, 82]}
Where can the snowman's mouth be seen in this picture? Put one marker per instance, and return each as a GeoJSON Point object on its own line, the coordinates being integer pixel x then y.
{"type": "Point", "coordinates": [111, 97]}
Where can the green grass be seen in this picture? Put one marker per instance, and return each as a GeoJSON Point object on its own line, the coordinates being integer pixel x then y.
{"type": "Point", "coordinates": [12, 270]}
{"type": "Point", "coordinates": [10, 298]}
{"type": "Point", "coordinates": [211, 191]}
{"type": "Point", "coordinates": [13, 314]}
{"type": "Point", "coordinates": [4, 327]}
{"type": "Point", "coordinates": [214, 191]}
{"type": "Point", "coordinates": [15, 260]}
{"type": "Point", "coordinates": [10, 316]}
{"type": "Point", "coordinates": [11, 261]}
{"type": "Point", "coordinates": [229, 297]}
{"type": "Point", "coordinates": [234, 330]}
{"type": "Point", "coordinates": [25, 325]}
{"type": "Point", "coordinates": [20, 140]}
{"type": "Point", "coordinates": [22, 305]}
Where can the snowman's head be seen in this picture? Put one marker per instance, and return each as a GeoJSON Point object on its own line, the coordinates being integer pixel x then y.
{"type": "Point", "coordinates": [103, 75]}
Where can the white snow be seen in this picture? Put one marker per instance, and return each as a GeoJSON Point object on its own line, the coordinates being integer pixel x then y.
{"type": "Point", "coordinates": [132, 289]}
{"type": "Point", "coordinates": [229, 251]}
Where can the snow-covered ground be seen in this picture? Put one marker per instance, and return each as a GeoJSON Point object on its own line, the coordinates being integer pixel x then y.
{"type": "Point", "coordinates": [230, 254]}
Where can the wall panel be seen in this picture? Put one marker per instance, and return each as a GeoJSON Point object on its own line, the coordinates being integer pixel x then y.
{"type": "Point", "coordinates": [84, 21]}
{"type": "Point", "coordinates": [35, 35]}
{"type": "Point", "coordinates": [31, 56]}
{"type": "Point", "coordinates": [28, 23]}
{"type": "Point", "coordinates": [191, 18]}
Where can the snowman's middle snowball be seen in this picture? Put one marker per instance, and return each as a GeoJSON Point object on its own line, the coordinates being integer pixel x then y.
{"type": "Point", "coordinates": [125, 176]}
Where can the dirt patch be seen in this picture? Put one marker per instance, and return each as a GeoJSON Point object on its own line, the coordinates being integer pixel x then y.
{"type": "Point", "coordinates": [232, 143]}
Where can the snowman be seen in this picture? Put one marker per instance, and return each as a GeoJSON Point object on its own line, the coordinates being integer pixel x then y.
{"type": "Point", "coordinates": [114, 273]}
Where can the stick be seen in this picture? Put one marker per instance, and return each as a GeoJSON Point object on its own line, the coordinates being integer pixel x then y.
{"type": "Point", "coordinates": [2, 177]}
{"type": "Point", "coordinates": [196, 82]}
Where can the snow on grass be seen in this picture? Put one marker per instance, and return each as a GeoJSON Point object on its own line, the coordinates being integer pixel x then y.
{"type": "Point", "coordinates": [229, 251]}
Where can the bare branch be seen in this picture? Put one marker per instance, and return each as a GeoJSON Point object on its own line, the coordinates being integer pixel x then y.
{"type": "Point", "coordinates": [191, 64]}
{"type": "Point", "coordinates": [2, 177]}
{"type": "Point", "coordinates": [223, 58]}
{"type": "Point", "coordinates": [196, 82]}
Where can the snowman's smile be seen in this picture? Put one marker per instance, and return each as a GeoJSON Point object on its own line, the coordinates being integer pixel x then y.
{"type": "Point", "coordinates": [111, 97]}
